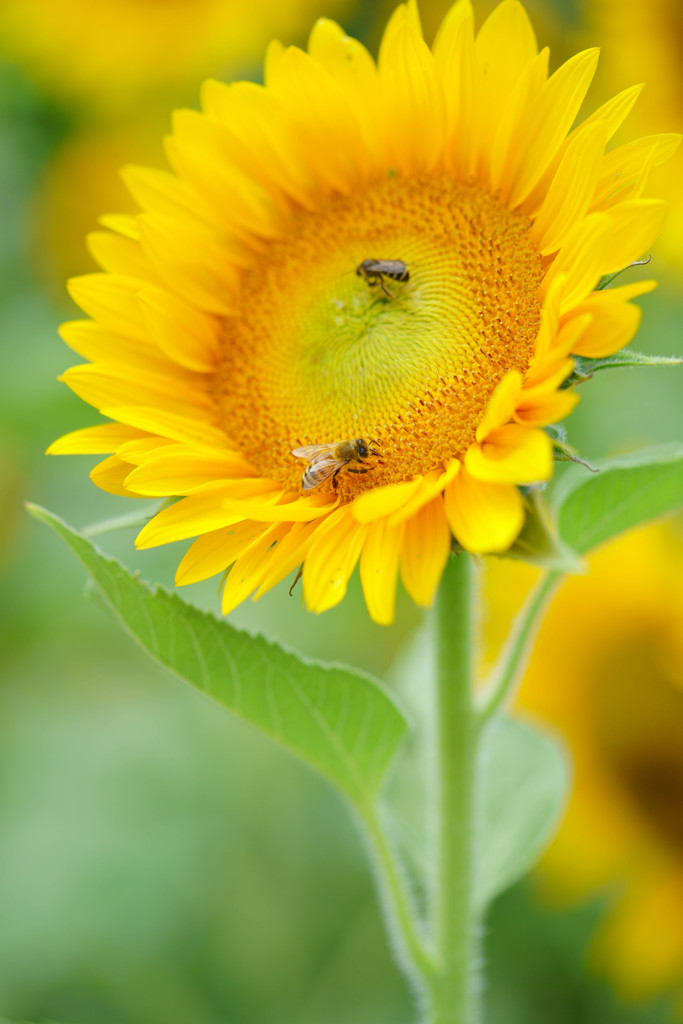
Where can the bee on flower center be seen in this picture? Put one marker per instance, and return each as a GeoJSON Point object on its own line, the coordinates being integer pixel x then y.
{"type": "Point", "coordinates": [374, 272]}
{"type": "Point", "coordinates": [326, 460]}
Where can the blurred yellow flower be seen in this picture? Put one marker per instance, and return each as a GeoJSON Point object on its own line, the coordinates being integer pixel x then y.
{"type": "Point", "coordinates": [643, 43]}
{"type": "Point", "coordinates": [82, 179]}
{"type": "Point", "coordinates": [106, 55]}
{"type": "Point", "coordinates": [135, 59]}
{"type": "Point", "coordinates": [607, 673]}
{"type": "Point", "coordinates": [243, 317]}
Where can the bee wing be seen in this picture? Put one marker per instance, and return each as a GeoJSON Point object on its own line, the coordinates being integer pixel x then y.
{"type": "Point", "coordinates": [314, 451]}
{"type": "Point", "coordinates": [321, 470]}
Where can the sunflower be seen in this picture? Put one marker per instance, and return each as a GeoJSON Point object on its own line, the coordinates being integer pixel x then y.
{"type": "Point", "coordinates": [645, 40]}
{"type": "Point", "coordinates": [131, 48]}
{"type": "Point", "coordinates": [236, 325]}
{"type": "Point", "coordinates": [616, 695]}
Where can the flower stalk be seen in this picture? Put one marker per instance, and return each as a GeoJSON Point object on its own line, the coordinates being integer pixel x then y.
{"type": "Point", "coordinates": [442, 956]}
{"type": "Point", "coordinates": [454, 990]}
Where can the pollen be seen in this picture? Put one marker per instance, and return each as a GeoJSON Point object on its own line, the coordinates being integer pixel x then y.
{"type": "Point", "coordinates": [315, 354]}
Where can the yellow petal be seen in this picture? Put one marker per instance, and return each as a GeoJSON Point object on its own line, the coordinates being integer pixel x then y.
{"type": "Point", "coordinates": [274, 54]}
{"type": "Point", "coordinates": [182, 332]}
{"type": "Point", "coordinates": [505, 46]}
{"type": "Point", "coordinates": [414, 103]}
{"type": "Point", "coordinates": [106, 386]}
{"type": "Point", "coordinates": [120, 255]}
{"type": "Point", "coordinates": [112, 300]}
{"type": "Point", "coordinates": [100, 344]}
{"type": "Point", "coordinates": [110, 475]}
{"type": "Point", "coordinates": [332, 556]}
{"type": "Point", "coordinates": [288, 554]}
{"type": "Point", "coordinates": [250, 567]}
{"type": "Point", "coordinates": [190, 264]}
{"type": "Point", "coordinates": [432, 485]}
{"type": "Point", "coordinates": [189, 517]}
{"type": "Point", "coordinates": [613, 325]}
{"type": "Point", "coordinates": [280, 506]}
{"type": "Point", "coordinates": [544, 368]}
{"type": "Point", "coordinates": [168, 424]}
{"type": "Point", "coordinates": [215, 551]}
{"type": "Point", "coordinates": [102, 439]}
{"type": "Point", "coordinates": [571, 190]}
{"type": "Point", "coordinates": [581, 260]}
{"type": "Point", "coordinates": [501, 404]}
{"type": "Point", "coordinates": [612, 114]}
{"type": "Point", "coordinates": [379, 570]}
{"type": "Point", "coordinates": [484, 517]}
{"type": "Point", "coordinates": [506, 155]}
{"type": "Point", "coordinates": [456, 65]}
{"type": "Point", "coordinates": [382, 501]}
{"type": "Point", "coordinates": [138, 451]}
{"type": "Point", "coordinates": [540, 408]}
{"type": "Point", "coordinates": [549, 383]}
{"type": "Point", "coordinates": [259, 118]}
{"type": "Point", "coordinates": [558, 105]}
{"type": "Point", "coordinates": [550, 315]}
{"type": "Point", "coordinates": [216, 163]}
{"type": "Point", "coordinates": [353, 68]}
{"type": "Point", "coordinates": [512, 454]}
{"type": "Point", "coordinates": [122, 223]}
{"type": "Point", "coordinates": [623, 165]}
{"type": "Point", "coordinates": [161, 192]}
{"type": "Point", "coordinates": [425, 547]}
{"type": "Point", "coordinates": [625, 292]}
{"type": "Point", "coordinates": [325, 122]}
{"type": "Point", "coordinates": [406, 14]}
{"type": "Point", "coordinates": [635, 226]}
{"type": "Point", "coordinates": [182, 474]}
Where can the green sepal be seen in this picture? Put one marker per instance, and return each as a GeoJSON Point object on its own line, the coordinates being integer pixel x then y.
{"type": "Point", "coordinates": [562, 450]}
{"type": "Point", "coordinates": [607, 280]}
{"type": "Point", "coordinates": [539, 542]}
{"type": "Point", "coordinates": [584, 368]}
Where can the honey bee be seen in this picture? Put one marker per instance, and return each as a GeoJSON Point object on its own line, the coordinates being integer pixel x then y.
{"type": "Point", "coordinates": [374, 272]}
{"type": "Point", "coordinates": [325, 460]}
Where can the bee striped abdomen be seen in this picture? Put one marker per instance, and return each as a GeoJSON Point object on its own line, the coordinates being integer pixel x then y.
{"type": "Point", "coordinates": [395, 269]}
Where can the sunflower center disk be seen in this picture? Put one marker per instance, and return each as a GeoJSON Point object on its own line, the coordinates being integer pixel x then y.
{"type": "Point", "coordinates": [316, 354]}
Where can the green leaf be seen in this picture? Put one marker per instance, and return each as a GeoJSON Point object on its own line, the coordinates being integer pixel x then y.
{"type": "Point", "coordinates": [524, 783]}
{"type": "Point", "coordinates": [539, 543]}
{"type": "Point", "coordinates": [127, 521]}
{"type": "Point", "coordinates": [626, 492]}
{"type": "Point", "coordinates": [584, 368]}
{"type": "Point", "coordinates": [338, 720]}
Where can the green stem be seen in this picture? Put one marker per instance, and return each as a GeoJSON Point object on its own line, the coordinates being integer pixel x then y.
{"type": "Point", "coordinates": [404, 926]}
{"type": "Point", "coordinates": [514, 656]}
{"type": "Point", "coordinates": [454, 991]}
{"type": "Point", "coordinates": [448, 974]}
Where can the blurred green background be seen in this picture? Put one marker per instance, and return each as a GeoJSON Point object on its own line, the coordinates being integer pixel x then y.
{"type": "Point", "coordinates": [159, 862]}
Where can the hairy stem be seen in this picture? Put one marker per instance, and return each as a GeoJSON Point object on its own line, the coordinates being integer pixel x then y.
{"type": "Point", "coordinates": [445, 970]}
{"type": "Point", "coordinates": [404, 925]}
{"type": "Point", "coordinates": [454, 990]}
